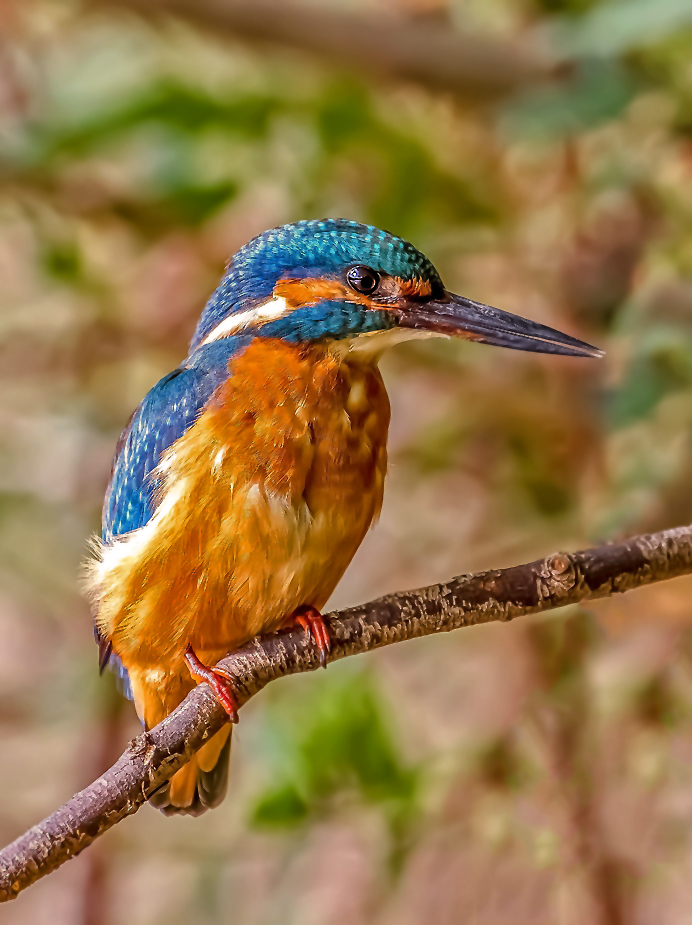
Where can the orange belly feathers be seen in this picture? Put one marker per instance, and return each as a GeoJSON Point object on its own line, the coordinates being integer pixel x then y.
{"type": "Point", "coordinates": [263, 503]}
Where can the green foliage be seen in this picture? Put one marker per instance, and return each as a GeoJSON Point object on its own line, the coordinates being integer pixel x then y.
{"type": "Point", "coordinates": [193, 203]}
{"type": "Point", "coordinates": [280, 807]}
{"type": "Point", "coordinates": [62, 261]}
{"type": "Point", "coordinates": [172, 105]}
{"type": "Point", "coordinates": [337, 745]}
{"type": "Point", "coordinates": [566, 7]}
{"type": "Point", "coordinates": [168, 127]}
{"type": "Point", "coordinates": [616, 27]}
{"type": "Point", "coordinates": [337, 750]}
{"type": "Point", "coordinates": [597, 92]}
{"type": "Point", "coordinates": [661, 366]}
{"type": "Point", "coordinates": [406, 185]}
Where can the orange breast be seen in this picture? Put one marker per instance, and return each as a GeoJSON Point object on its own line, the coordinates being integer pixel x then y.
{"type": "Point", "coordinates": [264, 503]}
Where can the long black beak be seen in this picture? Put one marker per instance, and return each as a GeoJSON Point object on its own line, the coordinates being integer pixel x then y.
{"type": "Point", "coordinates": [453, 314]}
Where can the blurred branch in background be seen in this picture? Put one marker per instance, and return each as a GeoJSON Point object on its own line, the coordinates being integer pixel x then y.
{"type": "Point", "coordinates": [499, 595]}
{"type": "Point", "coordinates": [430, 53]}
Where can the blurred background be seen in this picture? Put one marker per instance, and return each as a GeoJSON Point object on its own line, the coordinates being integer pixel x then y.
{"type": "Point", "coordinates": [540, 153]}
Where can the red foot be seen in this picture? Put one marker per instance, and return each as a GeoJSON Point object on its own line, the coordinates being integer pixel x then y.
{"type": "Point", "coordinates": [313, 623]}
{"type": "Point", "coordinates": [217, 679]}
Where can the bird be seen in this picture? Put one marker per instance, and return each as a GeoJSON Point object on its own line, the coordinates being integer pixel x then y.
{"type": "Point", "coordinates": [248, 477]}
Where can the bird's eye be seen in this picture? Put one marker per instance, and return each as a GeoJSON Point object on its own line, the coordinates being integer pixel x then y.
{"type": "Point", "coordinates": [363, 279]}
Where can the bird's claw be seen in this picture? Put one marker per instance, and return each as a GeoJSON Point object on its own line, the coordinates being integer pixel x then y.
{"type": "Point", "coordinates": [217, 679]}
{"type": "Point", "coordinates": [313, 623]}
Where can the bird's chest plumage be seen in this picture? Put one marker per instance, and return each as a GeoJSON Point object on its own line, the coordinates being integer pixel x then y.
{"type": "Point", "coordinates": [263, 503]}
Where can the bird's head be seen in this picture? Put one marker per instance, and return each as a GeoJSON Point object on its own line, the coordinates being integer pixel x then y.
{"type": "Point", "coordinates": [337, 280]}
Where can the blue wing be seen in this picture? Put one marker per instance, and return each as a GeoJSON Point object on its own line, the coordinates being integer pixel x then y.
{"type": "Point", "coordinates": [165, 414]}
{"type": "Point", "coordinates": [168, 410]}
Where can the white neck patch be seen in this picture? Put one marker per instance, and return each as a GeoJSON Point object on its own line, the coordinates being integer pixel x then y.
{"type": "Point", "coordinates": [252, 318]}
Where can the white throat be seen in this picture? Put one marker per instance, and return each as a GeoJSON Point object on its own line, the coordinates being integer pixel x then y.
{"type": "Point", "coordinates": [370, 347]}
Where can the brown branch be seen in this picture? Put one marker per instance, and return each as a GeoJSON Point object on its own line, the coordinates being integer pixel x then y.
{"type": "Point", "coordinates": [431, 53]}
{"type": "Point", "coordinates": [153, 757]}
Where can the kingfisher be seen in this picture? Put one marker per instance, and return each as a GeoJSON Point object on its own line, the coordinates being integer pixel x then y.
{"type": "Point", "coordinates": [247, 478]}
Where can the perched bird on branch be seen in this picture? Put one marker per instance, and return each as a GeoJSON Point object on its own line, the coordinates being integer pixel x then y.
{"type": "Point", "coordinates": [247, 478]}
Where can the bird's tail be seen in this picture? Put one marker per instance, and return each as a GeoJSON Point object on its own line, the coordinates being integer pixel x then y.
{"type": "Point", "coordinates": [201, 784]}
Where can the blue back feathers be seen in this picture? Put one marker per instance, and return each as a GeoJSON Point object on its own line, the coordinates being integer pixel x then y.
{"type": "Point", "coordinates": [311, 248]}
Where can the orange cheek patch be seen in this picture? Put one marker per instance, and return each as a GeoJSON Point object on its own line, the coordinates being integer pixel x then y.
{"type": "Point", "coordinates": [414, 288]}
{"type": "Point", "coordinates": [300, 292]}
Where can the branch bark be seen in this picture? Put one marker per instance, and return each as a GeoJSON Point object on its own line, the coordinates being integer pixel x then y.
{"type": "Point", "coordinates": [430, 53]}
{"type": "Point", "coordinates": [498, 595]}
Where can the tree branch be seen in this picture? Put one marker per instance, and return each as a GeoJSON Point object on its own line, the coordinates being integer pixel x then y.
{"type": "Point", "coordinates": [427, 52]}
{"type": "Point", "coordinates": [503, 594]}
